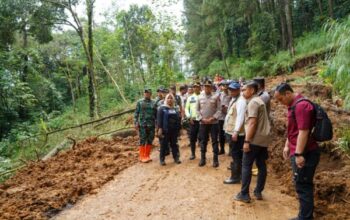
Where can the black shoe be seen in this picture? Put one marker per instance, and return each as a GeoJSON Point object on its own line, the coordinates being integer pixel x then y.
{"type": "Point", "coordinates": [192, 157]}
{"type": "Point", "coordinates": [162, 163]}
{"type": "Point", "coordinates": [232, 180]}
{"type": "Point", "coordinates": [202, 163]}
{"type": "Point", "coordinates": [177, 161]}
{"type": "Point", "coordinates": [242, 198]}
{"type": "Point", "coordinates": [221, 152]}
{"type": "Point", "coordinates": [258, 196]}
{"type": "Point", "coordinates": [215, 164]}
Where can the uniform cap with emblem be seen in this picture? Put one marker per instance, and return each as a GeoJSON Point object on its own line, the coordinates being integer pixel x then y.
{"type": "Point", "coordinates": [234, 86]}
{"type": "Point", "coordinates": [196, 84]}
{"type": "Point", "coordinates": [160, 89]}
{"type": "Point", "coordinates": [207, 82]}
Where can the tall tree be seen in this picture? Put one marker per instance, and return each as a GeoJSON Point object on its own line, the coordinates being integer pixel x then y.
{"type": "Point", "coordinates": [288, 11]}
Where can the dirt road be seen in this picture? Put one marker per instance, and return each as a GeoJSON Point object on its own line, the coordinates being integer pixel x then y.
{"type": "Point", "coordinates": [185, 191]}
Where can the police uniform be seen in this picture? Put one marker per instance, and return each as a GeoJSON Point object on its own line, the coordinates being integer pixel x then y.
{"type": "Point", "coordinates": [225, 99]}
{"type": "Point", "coordinates": [209, 106]}
{"type": "Point", "coordinates": [191, 113]}
{"type": "Point", "coordinates": [144, 119]}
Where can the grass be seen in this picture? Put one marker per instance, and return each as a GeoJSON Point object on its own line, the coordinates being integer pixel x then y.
{"type": "Point", "coordinates": [309, 44]}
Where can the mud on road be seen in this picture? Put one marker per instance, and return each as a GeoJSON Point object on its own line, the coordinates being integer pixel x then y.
{"type": "Point", "coordinates": [42, 189]}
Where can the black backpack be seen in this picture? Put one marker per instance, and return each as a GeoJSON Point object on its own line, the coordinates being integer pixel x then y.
{"type": "Point", "coordinates": [323, 129]}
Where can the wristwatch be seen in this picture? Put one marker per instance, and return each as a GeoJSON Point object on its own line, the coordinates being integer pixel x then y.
{"type": "Point", "coordinates": [247, 142]}
{"type": "Point", "coordinates": [298, 155]}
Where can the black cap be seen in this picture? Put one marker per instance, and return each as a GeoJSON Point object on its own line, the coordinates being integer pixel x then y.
{"type": "Point", "coordinates": [165, 90]}
{"type": "Point", "coordinates": [147, 90]}
{"type": "Point", "coordinates": [260, 81]}
{"type": "Point", "coordinates": [160, 88]}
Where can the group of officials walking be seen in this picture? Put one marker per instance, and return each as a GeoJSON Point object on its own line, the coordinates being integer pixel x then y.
{"type": "Point", "coordinates": [235, 112]}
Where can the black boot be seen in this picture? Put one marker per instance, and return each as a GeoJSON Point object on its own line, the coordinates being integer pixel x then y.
{"type": "Point", "coordinates": [235, 175]}
{"type": "Point", "coordinates": [202, 162]}
{"type": "Point", "coordinates": [215, 160]}
{"type": "Point", "coordinates": [193, 152]}
{"type": "Point", "coordinates": [222, 151]}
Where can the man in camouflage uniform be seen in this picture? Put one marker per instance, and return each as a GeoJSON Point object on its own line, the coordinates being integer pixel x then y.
{"type": "Point", "coordinates": [144, 119]}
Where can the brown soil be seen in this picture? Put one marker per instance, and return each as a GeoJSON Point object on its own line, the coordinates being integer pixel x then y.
{"type": "Point", "coordinates": [44, 188]}
{"type": "Point", "coordinates": [332, 179]}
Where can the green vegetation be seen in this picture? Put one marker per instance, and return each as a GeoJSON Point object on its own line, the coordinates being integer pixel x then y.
{"type": "Point", "coordinates": [338, 72]}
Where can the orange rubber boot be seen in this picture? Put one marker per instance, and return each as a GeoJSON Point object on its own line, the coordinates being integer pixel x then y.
{"type": "Point", "coordinates": [141, 153]}
{"type": "Point", "coordinates": [148, 152]}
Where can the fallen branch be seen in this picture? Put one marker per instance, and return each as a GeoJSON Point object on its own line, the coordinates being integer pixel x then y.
{"type": "Point", "coordinates": [59, 147]}
{"type": "Point", "coordinates": [110, 132]}
{"type": "Point", "coordinates": [12, 170]}
{"type": "Point", "coordinates": [83, 124]}
{"type": "Point", "coordinates": [346, 201]}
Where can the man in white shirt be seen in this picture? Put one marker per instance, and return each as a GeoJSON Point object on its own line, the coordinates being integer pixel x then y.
{"type": "Point", "coordinates": [234, 128]}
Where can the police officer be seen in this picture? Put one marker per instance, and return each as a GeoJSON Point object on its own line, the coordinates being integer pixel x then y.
{"type": "Point", "coordinates": [209, 111]}
{"type": "Point", "coordinates": [191, 114]}
{"type": "Point", "coordinates": [160, 96]}
{"type": "Point", "coordinates": [144, 121]}
{"type": "Point", "coordinates": [225, 99]}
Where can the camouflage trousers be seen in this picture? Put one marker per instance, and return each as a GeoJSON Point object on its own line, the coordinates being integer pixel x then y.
{"type": "Point", "coordinates": [146, 135]}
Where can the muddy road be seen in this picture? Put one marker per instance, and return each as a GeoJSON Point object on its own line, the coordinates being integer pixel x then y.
{"type": "Point", "coordinates": [185, 191]}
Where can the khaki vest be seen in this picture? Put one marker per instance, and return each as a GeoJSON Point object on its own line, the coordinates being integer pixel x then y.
{"type": "Point", "coordinates": [230, 119]}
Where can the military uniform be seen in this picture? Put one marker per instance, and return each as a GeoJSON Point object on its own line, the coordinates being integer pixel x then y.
{"type": "Point", "coordinates": [209, 106]}
{"type": "Point", "coordinates": [145, 119]}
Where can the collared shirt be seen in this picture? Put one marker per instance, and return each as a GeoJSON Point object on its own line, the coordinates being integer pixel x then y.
{"type": "Point", "coordinates": [209, 106]}
{"type": "Point", "coordinates": [265, 96]}
{"type": "Point", "coordinates": [191, 107]}
{"type": "Point", "coordinates": [225, 101]}
{"type": "Point", "coordinates": [256, 109]}
{"type": "Point", "coordinates": [304, 120]}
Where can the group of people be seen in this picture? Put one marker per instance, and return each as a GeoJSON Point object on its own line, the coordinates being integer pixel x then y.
{"type": "Point", "coordinates": [238, 113]}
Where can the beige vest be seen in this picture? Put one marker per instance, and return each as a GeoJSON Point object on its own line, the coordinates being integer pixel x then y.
{"type": "Point", "coordinates": [230, 119]}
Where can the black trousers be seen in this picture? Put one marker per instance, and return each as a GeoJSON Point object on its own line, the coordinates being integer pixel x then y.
{"type": "Point", "coordinates": [169, 138]}
{"type": "Point", "coordinates": [204, 131]}
{"type": "Point", "coordinates": [303, 180]}
{"type": "Point", "coordinates": [260, 155]}
{"type": "Point", "coordinates": [222, 135]}
{"type": "Point", "coordinates": [237, 148]}
{"type": "Point", "coordinates": [194, 131]}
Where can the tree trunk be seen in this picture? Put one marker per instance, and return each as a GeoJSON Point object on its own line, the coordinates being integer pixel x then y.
{"type": "Point", "coordinates": [69, 79]}
{"type": "Point", "coordinates": [94, 112]}
{"type": "Point", "coordinates": [283, 25]}
{"type": "Point", "coordinates": [289, 26]}
{"type": "Point", "coordinates": [319, 2]}
{"type": "Point", "coordinates": [330, 8]}
{"type": "Point", "coordinates": [223, 55]}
